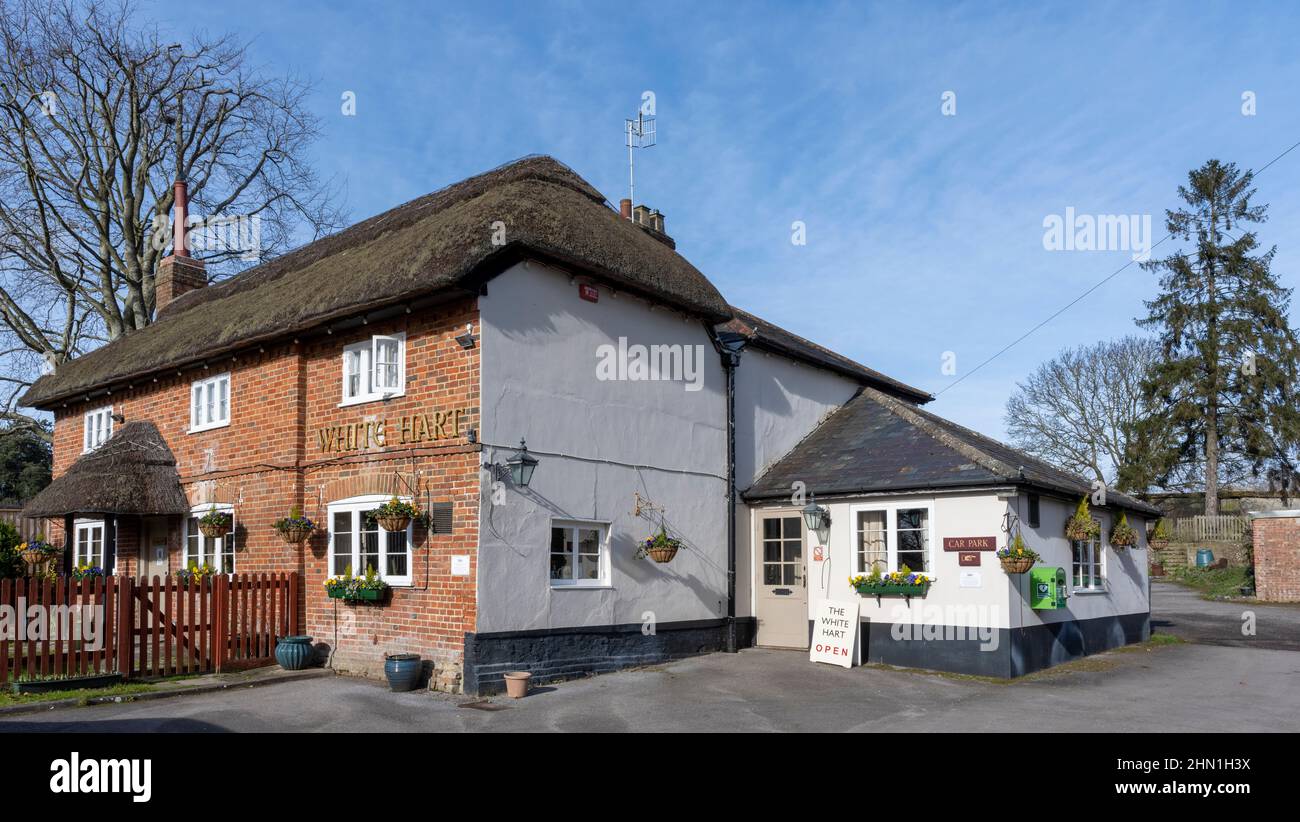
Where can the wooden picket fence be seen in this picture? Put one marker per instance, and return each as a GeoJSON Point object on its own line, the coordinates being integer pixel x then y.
{"type": "Point", "coordinates": [1221, 528]}
{"type": "Point", "coordinates": [149, 627]}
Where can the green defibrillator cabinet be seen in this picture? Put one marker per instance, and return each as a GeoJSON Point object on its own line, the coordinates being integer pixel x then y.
{"type": "Point", "coordinates": [1047, 588]}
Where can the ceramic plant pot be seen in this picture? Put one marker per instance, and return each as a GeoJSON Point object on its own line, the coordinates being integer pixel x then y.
{"type": "Point", "coordinates": [403, 671]}
{"type": "Point", "coordinates": [294, 653]}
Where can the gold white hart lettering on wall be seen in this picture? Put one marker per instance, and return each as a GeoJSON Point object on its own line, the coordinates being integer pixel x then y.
{"type": "Point", "coordinates": [408, 429]}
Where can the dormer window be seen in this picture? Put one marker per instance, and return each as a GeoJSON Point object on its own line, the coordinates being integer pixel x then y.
{"type": "Point", "coordinates": [99, 427]}
{"type": "Point", "coordinates": [374, 369]}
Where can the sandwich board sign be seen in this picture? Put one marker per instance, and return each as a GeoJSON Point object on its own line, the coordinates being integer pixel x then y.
{"type": "Point", "coordinates": [835, 633]}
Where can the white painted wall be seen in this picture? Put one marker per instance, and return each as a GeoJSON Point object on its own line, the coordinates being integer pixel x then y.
{"type": "Point", "coordinates": [1126, 570]}
{"type": "Point", "coordinates": [778, 403]}
{"type": "Point", "coordinates": [1001, 600]}
{"type": "Point", "coordinates": [538, 376]}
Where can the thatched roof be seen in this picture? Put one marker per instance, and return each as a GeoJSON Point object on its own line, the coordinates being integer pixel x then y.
{"type": "Point", "coordinates": [878, 443]}
{"type": "Point", "coordinates": [763, 334]}
{"type": "Point", "coordinates": [133, 473]}
{"type": "Point", "coordinates": [438, 242]}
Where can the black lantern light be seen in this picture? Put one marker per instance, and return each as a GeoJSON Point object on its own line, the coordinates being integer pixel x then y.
{"type": "Point", "coordinates": [816, 516]}
{"type": "Point", "coordinates": [521, 465]}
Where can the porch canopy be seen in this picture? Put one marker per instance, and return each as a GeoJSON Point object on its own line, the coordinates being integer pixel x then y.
{"type": "Point", "coordinates": [134, 473]}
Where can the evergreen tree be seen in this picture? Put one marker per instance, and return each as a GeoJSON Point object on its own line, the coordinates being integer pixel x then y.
{"type": "Point", "coordinates": [1224, 390]}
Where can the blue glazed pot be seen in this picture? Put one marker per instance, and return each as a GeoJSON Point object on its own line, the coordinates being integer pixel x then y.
{"type": "Point", "coordinates": [403, 671]}
{"type": "Point", "coordinates": [294, 653]}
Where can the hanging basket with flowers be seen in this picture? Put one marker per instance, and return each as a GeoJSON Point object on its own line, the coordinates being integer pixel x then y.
{"type": "Point", "coordinates": [1159, 536]}
{"type": "Point", "coordinates": [216, 524]}
{"type": "Point", "coordinates": [395, 515]}
{"type": "Point", "coordinates": [1122, 535]}
{"type": "Point", "coordinates": [1017, 558]}
{"type": "Point", "coordinates": [1081, 527]}
{"type": "Point", "coordinates": [295, 528]}
{"type": "Point", "coordinates": [660, 547]}
{"type": "Point", "coordinates": [38, 551]}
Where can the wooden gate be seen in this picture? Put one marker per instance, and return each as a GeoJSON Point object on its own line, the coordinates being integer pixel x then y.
{"type": "Point", "coordinates": [150, 627]}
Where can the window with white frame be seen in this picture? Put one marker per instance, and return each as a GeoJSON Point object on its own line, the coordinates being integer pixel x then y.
{"type": "Point", "coordinates": [358, 543]}
{"type": "Point", "coordinates": [200, 550]}
{"type": "Point", "coordinates": [1088, 564]}
{"type": "Point", "coordinates": [88, 543]}
{"type": "Point", "coordinates": [99, 427]}
{"type": "Point", "coordinates": [374, 369]}
{"type": "Point", "coordinates": [579, 553]}
{"type": "Point", "coordinates": [210, 403]}
{"type": "Point", "coordinates": [891, 536]}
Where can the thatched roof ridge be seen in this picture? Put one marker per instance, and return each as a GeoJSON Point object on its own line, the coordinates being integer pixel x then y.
{"type": "Point", "coordinates": [442, 242]}
{"type": "Point", "coordinates": [133, 473]}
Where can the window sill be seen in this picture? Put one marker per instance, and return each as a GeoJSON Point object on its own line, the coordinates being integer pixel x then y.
{"type": "Point", "coordinates": [200, 429]}
{"type": "Point", "coordinates": [1089, 592]}
{"type": "Point", "coordinates": [371, 398]}
{"type": "Point", "coordinates": [579, 586]}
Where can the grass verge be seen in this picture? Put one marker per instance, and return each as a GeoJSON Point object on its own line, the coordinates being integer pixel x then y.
{"type": "Point", "coordinates": [1219, 583]}
{"type": "Point", "coordinates": [82, 695]}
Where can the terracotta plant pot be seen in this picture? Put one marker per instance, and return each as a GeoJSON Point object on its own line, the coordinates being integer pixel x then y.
{"type": "Point", "coordinates": [517, 684]}
{"type": "Point", "coordinates": [394, 522]}
{"type": "Point", "coordinates": [1157, 570]}
{"type": "Point", "coordinates": [1016, 565]}
{"type": "Point", "coordinates": [664, 554]}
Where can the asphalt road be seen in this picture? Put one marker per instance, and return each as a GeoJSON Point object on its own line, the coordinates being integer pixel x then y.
{"type": "Point", "coordinates": [1231, 685]}
{"type": "Point", "coordinates": [1181, 611]}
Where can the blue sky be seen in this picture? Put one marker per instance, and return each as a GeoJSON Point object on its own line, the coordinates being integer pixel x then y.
{"type": "Point", "coordinates": [924, 231]}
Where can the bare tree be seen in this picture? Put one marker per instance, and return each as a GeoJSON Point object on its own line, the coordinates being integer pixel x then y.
{"type": "Point", "coordinates": [1078, 410]}
{"type": "Point", "coordinates": [98, 117]}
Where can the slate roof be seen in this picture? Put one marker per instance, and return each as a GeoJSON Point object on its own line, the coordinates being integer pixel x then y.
{"type": "Point", "coordinates": [133, 473]}
{"type": "Point", "coordinates": [772, 337]}
{"type": "Point", "coordinates": [877, 443]}
{"type": "Point", "coordinates": [435, 243]}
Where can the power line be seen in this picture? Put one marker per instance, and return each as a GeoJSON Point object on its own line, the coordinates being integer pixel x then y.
{"type": "Point", "coordinates": [1098, 285]}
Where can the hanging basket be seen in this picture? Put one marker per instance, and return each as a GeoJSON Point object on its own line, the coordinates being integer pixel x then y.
{"type": "Point", "coordinates": [393, 522]}
{"type": "Point", "coordinates": [34, 556]}
{"type": "Point", "coordinates": [1017, 565]}
{"type": "Point", "coordinates": [295, 534]}
{"type": "Point", "coordinates": [663, 553]}
{"type": "Point", "coordinates": [1158, 544]}
{"type": "Point", "coordinates": [214, 531]}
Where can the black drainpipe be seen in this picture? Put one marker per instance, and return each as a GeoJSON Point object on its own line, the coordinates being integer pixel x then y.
{"type": "Point", "coordinates": [730, 345]}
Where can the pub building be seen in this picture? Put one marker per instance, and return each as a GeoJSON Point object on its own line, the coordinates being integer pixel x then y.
{"type": "Point", "coordinates": [450, 353]}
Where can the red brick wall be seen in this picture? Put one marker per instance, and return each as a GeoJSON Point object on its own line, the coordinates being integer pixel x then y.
{"type": "Point", "coordinates": [270, 458]}
{"type": "Point", "coordinates": [1277, 558]}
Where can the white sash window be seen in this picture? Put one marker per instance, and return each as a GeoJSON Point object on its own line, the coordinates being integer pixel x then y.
{"type": "Point", "coordinates": [374, 369]}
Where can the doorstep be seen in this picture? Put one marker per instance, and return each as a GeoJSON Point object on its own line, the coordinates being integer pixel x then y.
{"type": "Point", "coordinates": [166, 688]}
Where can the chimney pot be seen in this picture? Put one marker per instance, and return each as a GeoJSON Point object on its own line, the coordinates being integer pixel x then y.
{"type": "Point", "coordinates": [180, 195]}
{"type": "Point", "coordinates": [625, 208]}
{"type": "Point", "coordinates": [641, 215]}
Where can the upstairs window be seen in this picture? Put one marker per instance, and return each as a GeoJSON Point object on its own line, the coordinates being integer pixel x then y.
{"type": "Point", "coordinates": [99, 427]}
{"type": "Point", "coordinates": [374, 369]}
{"type": "Point", "coordinates": [210, 403]}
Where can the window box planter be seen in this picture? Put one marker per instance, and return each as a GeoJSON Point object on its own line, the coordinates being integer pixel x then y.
{"type": "Point", "coordinates": [893, 590]}
{"type": "Point", "coordinates": [363, 595]}
{"type": "Point", "coordinates": [72, 683]}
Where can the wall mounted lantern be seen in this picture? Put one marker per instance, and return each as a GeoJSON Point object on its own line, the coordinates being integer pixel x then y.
{"type": "Point", "coordinates": [519, 467]}
{"type": "Point", "coordinates": [815, 516]}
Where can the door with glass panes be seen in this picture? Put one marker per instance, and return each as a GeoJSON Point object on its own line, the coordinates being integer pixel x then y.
{"type": "Point", "coordinates": [781, 581]}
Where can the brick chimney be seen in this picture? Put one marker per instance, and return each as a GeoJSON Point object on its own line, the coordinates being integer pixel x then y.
{"type": "Point", "coordinates": [625, 208]}
{"type": "Point", "coordinates": [179, 273]}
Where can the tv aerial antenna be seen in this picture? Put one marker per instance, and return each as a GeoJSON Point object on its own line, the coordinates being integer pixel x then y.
{"type": "Point", "coordinates": [640, 134]}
